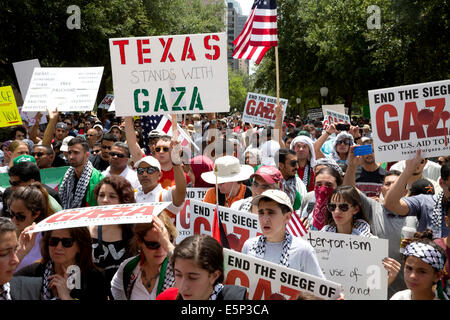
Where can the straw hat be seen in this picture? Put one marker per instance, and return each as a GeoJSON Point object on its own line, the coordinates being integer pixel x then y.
{"type": "Point", "coordinates": [228, 170]}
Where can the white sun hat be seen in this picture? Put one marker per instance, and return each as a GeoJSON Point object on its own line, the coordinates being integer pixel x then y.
{"type": "Point", "coordinates": [228, 170]}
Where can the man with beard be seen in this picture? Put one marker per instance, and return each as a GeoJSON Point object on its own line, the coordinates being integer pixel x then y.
{"type": "Point", "coordinates": [304, 148]}
{"type": "Point", "coordinates": [77, 187]}
{"type": "Point", "coordinates": [369, 175]}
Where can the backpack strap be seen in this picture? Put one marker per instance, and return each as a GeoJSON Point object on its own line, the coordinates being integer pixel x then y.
{"type": "Point", "coordinates": [128, 282]}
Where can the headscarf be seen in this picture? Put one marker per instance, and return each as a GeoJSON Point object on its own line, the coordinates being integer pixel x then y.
{"type": "Point", "coordinates": [426, 253]}
{"type": "Point", "coordinates": [330, 163]}
{"type": "Point", "coordinates": [310, 143]}
{"type": "Point", "coordinates": [341, 136]}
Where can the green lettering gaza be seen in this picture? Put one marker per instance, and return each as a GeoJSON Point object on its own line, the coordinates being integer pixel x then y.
{"type": "Point", "coordinates": [161, 102]}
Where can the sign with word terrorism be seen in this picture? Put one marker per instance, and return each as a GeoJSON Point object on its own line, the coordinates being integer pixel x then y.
{"type": "Point", "coordinates": [170, 74]}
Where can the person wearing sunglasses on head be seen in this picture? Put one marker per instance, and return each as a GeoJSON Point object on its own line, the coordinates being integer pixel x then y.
{"type": "Point", "coordinates": [150, 190]}
{"type": "Point", "coordinates": [146, 275]}
{"type": "Point", "coordinates": [119, 156]}
{"type": "Point", "coordinates": [199, 272]}
{"type": "Point", "coordinates": [67, 253]}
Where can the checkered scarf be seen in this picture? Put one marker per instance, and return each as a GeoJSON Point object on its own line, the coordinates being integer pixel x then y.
{"type": "Point", "coordinates": [259, 249]}
{"type": "Point", "coordinates": [360, 228]}
{"type": "Point", "coordinates": [246, 205]}
{"type": "Point", "coordinates": [426, 253]}
{"type": "Point", "coordinates": [169, 279]}
{"type": "Point", "coordinates": [5, 292]}
{"type": "Point", "coordinates": [217, 288]}
{"type": "Point", "coordinates": [72, 198]}
{"type": "Point", "coordinates": [436, 217]}
{"type": "Point", "coordinates": [46, 291]}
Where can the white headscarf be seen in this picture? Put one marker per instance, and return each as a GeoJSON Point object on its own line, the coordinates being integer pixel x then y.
{"type": "Point", "coordinates": [310, 143]}
{"type": "Point", "coordinates": [341, 136]}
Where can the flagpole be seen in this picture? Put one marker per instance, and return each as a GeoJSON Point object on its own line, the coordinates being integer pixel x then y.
{"type": "Point", "coordinates": [277, 75]}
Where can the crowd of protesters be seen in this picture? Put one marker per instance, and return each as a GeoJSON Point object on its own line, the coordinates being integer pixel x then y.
{"type": "Point", "coordinates": [295, 168]}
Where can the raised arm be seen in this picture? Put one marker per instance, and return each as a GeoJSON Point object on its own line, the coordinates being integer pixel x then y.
{"type": "Point", "coordinates": [51, 127]}
{"type": "Point", "coordinates": [130, 135]}
{"type": "Point", "coordinates": [34, 128]}
{"type": "Point", "coordinates": [319, 142]}
{"type": "Point", "coordinates": [393, 200]}
{"type": "Point", "coordinates": [278, 125]}
{"type": "Point", "coordinates": [179, 190]}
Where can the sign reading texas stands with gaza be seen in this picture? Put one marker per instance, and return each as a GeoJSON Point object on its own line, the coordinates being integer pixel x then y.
{"type": "Point", "coordinates": [170, 74]}
{"type": "Point", "coordinates": [408, 118]}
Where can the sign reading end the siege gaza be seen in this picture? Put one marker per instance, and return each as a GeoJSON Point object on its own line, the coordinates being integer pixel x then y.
{"type": "Point", "coordinates": [170, 74]}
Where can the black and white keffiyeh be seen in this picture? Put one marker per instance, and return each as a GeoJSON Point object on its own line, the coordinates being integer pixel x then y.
{"type": "Point", "coordinates": [436, 217]}
{"type": "Point", "coordinates": [290, 185]}
{"type": "Point", "coordinates": [246, 205]}
{"type": "Point", "coordinates": [259, 248]}
{"type": "Point", "coordinates": [426, 253]}
{"type": "Point", "coordinates": [217, 288]}
{"type": "Point", "coordinates": [73, 198]}
{"type": "Point", "coordinates": [46, 291]}
{"type": "Point", "coordinates": [360, 228]}
{"type": "Point", "coordinates": [169, 279]}
{"type": "Point", "coordinates": [5, 293]}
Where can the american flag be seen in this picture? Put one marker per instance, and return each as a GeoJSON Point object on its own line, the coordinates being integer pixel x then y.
{"type": "Point", "coordinates": [259, 33]}
{"type": "Point", "coordinates": [295, 227]}
{"type": "Point", "coordinates": [149, 123]}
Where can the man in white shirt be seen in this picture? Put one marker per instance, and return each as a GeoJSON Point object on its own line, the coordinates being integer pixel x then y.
{"type": "Point", "coordinates": [118, 164]}
{"type": "Point", "coordinates": [149, 173]}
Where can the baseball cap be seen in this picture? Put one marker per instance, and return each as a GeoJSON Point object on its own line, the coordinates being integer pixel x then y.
{"type": "Point", "coordinates": [24, 158]}
{"type": "Point", "coordinates": [65, 144]}
{"type": "Point", "coordinates": [156, 134]}
{"type": "Point", "coordinates": [98, 125]}
{"type": "Point", "coordinates": [276, 195]}
{"type": "Point", "coordinates": [149, 160]}
{"type": "Point", "coordinates": [270, 174]}
{"type": "Point", "coordinates": [421, 186]}
{"type": "Point", "coordinates": [61, 125]}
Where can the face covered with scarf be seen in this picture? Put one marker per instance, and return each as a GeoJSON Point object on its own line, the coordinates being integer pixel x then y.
{"type": "Point", "coordinates": [324, 186]}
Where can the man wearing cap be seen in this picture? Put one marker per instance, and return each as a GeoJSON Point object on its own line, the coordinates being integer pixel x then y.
{"type": "Point", "coordinates": [98, 126]}
{"type": "Point", "coordinates": [150, 190]}
{"type": "Point", "coordinates": [276, 244]}
{"type": "Point", "coordinates": [77, 186]}
{"type": "Point", "coordinates": [101, 161]}
{"type": "Point", "coordinates": [265, 178]}
{"type": "Point", "coordinates": [287, 161]}
{"type": "Point", "coordinates": [55, 131]}
{"type": "Point", "coordinates": [229, 177]}
{"type": "Point", "coordinates": [118, 159]}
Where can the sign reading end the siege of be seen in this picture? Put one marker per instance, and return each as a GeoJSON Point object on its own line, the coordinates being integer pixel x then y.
{"type": "Point", "coordinates": [173, 74]}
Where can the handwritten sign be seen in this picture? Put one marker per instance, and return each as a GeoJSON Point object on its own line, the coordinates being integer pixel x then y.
{"type": "Point", "coordinates": [174, 74]}
{"type": "Point", "coordinates": [183, 217]}
{"type": "Point", "coordinates": [315, 114]}
{"type": "Point", "coordinates": [408, 118]}
{"type": "Point", "coordinates": [238, 226]}
{"type": "Point", "coordinates": [260, 109]}
{"type": "Point", "coordinates": [334, 117]}
{"type": "Point", "coordinates": [30, 117]}
{"type": "Point", "coordinates": [106, 102]}
{"type": "Point", "coordinates": [102, 215]}
{"type": "Point", "coordinates": [68, 89]}
{"type": "Point", "coordinates": [363, 275]}
{"type": "Point", "coordinates": [9, 114]}
{"type": "Point", "coordinates": [263, 278]}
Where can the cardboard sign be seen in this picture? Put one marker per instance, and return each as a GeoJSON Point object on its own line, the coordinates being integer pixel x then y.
{"type": "Point", "coordinates": [334, 117]}
{"type": "Point", "coordinates": [24, 71]}
{"type": "Point", "coordinates": [68, 89]}
{"type": "Point", "coordinates": [238, 226]}
{"type": "Point", "coordinates": [29, 117]}
{"type": "Point", "coordinates": [264, 278]}
{"type": "Point", "coordinates": [106, 102]}
{"type": "Point", "coordinates": [260, 109]}
{"type": "Point", "coordinates": [335, 107]}
{"type": "Point", "coordinates": [363, 275]}
{"type": "Point", "coordinates": [174, 74]}
{"type": "Point", "coordinates": [102, 215]}
{"type": "Point", "coordinates": [183, 217]}
{"type": "Point", "coordinates": [408, 118]}
{"type": "Point", "coordinates": [9, 114]}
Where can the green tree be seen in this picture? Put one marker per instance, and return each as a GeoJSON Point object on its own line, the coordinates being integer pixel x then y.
{"type": "Point", "coordinates": [238, 87]}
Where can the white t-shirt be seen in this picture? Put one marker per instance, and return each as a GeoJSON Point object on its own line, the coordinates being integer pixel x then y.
{"type": "Point", "coordinates": [406, 295]}
{"type": "Point", "coordinates": [128, 174]}
{"type": "Point", "coordinates": [154, 196]}
{"type": "Point", "coordinates": [302, 256]}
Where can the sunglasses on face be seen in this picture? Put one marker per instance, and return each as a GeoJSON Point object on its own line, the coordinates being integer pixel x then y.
{"type": "Point", "coordinates": [342, 206]}
{"type": "Point", "coordinates": [119, 155]}
{"type": "Point", "coordinates": [19, 217]}
{"type": "Point", "coordinates": [106, 147]}
{"type": "Point", "coordinates": [165, 149]}
{"type": "Point", "coordinates": [95, 151]}
{"type": "Point", "coordinates": [293, 163]}
{"type": "Point", "coordinates": [38, 154]}
{"type": "Point", "coordinates": [152, 245]}
{"type": "Point", "coordinates": [66, 242]}
{"type": "Point", "coordinates": [347, 142]}
{"type": "Point", "coordinates": [149, 170]}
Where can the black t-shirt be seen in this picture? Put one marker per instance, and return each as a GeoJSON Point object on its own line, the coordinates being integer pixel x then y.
{"type": "Point", "coordinates": [370, 182]}
{"type": "Point", "coordinates": [99, 163]}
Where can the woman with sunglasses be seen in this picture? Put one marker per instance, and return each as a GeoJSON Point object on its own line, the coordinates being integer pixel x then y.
{"type": "Point", "coordinates": [67, 251]}
{"type": "Point", "coordinates": [111, 243]}
{"type": "Point", "coordinates": [149, 273]}
{"type": "Point", "coordinates": [29, 205]}
{"type": "Point", "coordinates": [198, 267]}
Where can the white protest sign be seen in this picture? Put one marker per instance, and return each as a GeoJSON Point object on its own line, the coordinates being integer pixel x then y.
{"type": "Point", "coordinates": [238, 226]}
{"type": "Point", "coordinates": [174, 74]}
{"type": "Point", "coordinates": [335, 107]}
{"type": "Point", "coordinates": [106, 102]}
{"type": "Point", "coordinates": [68, 89]}
{"type": "Point", "coordinates": [260, 109]}
{"type": "Point", "coordinates": [183, 217]}
{"type": "Point", "coordinates": [102, 215]}
{"type": "Point", "coordinates": [363, 275]}
{"type": "Point", "coordinates": [264, 278]}
{"type": "Point", "coordinates": [331, 117]}
{"type": "Point", "coordinates": [29, 117]}
{"type": "Point", "coordinates": [24, 71]}
{"type": "Point", "coordinates": [408, 118]}
{"type": "Point", "coordinates": [315, 114]}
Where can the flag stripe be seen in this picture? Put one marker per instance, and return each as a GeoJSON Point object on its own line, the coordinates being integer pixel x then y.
{"type": "Point", "coordinates": [264, 32]}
